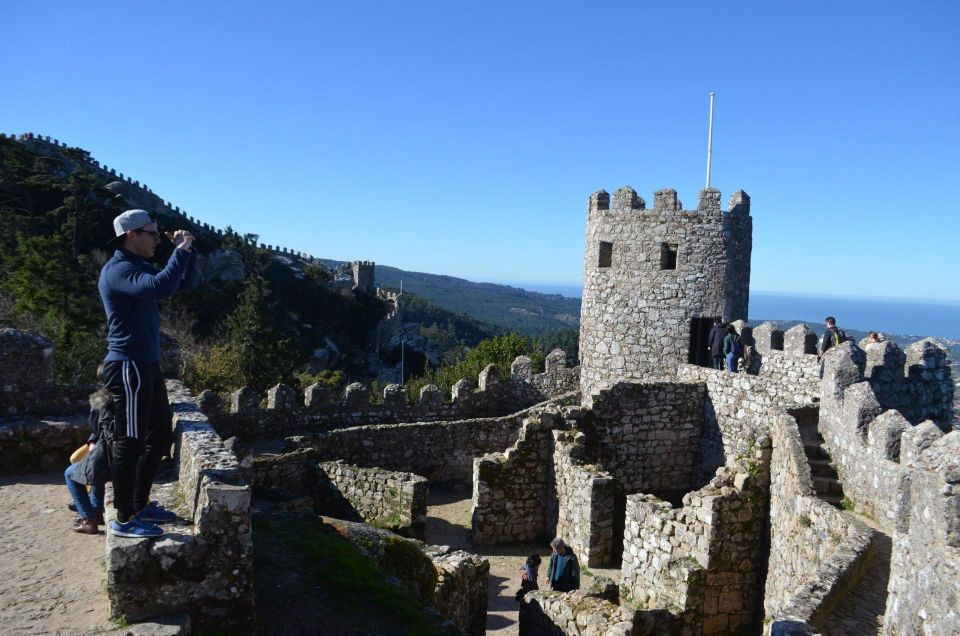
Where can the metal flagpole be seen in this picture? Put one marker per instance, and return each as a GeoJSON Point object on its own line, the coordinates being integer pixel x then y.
{"type": "Point", "coordinates": [710, 139]}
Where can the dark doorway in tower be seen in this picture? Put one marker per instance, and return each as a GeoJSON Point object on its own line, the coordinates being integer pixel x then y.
{"type": "Point", "coordinates": [700, 341]}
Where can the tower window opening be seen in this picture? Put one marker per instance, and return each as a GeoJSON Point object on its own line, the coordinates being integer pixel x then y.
{"type": "Point", "coordinates": [668, 256]}
{"type": "Point", "coordinates": [606, 254]}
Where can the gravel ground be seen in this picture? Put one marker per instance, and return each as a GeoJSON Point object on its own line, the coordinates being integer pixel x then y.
{"type": "Point", "coordinates": [52, 580]}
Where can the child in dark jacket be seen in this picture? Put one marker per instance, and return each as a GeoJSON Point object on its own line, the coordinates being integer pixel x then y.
{"type": "Point", "coordinates": [528, 576]}
{"type": "Point", "coordinates": [91, 466]}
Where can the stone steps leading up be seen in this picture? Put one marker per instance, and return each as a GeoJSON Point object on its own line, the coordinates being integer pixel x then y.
{"type": "Point", "coordinates": [826, 481]}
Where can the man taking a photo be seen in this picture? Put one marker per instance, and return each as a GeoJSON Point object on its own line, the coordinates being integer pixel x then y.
{"type": "Point", "coordinates": [130, 288]}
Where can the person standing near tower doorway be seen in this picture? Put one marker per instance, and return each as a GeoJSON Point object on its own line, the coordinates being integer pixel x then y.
{"type": "Point", "coordinates": [715, 343]}
{"type": "Point", "coordinates": [130, 288]}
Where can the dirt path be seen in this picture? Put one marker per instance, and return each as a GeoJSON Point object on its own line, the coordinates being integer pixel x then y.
{"type": "Point", "coordinates": [448, 523]}
{"type": "Point", "coordinates": [52, 580]}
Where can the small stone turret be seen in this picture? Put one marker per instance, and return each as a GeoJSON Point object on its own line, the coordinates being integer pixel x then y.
{"type": "Point", "coordinates": [363, 276]}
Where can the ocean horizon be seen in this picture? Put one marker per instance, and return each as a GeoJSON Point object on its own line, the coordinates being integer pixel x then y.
{"type": "Point", "coordinates": [908, 317]}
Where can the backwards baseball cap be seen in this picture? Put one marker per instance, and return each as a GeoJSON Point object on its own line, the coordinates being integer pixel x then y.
{"type": "Point", "coordinates": [129, 220]}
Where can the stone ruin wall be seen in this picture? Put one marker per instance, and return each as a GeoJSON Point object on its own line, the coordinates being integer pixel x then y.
{"type": "Point", "coordinates": [492, 396]}
{"type": "Point", "coordinates": [511, 489]}
{"type": "Point", "coordinates": [704, 560]}
{"type": "Point", "coordinates": [27, 385]}
{"type": "Point", "coordinates": [207, 568]}
{"type": "Point", "coordinates": [736, 405]}
{"type": "Point", "coordinates": [905, 475]}
{"type": "Point", "coordinates": [816, 550]}
{"type": "Point", "coordinates": [388, 499]}
{"type": "Point", "coordinates": [461, 591]}
{"type": "Point", "coordinates": [595, 609]}
{"type": "Point", "coordinates": [647, 435]}
{"type": "Point", "coordinates": [589, 501]}
{"type": "Point", "coordinates": [439, 451]}
{"type": "Point", "coordinates": [635, 316]}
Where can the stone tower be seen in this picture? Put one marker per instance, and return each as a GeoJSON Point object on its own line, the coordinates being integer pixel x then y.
{"type": "Point", "coordinates": [653, 280]}
{"type": "Point", "coordinates": [363, 275]}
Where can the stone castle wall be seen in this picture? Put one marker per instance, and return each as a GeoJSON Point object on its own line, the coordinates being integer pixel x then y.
{"type": "Point", "coordinates": [491, 396]}
{"type": "Point", "coordinates": [906, 476]}
{"type": "Point", "coordinates": [461, 590]}
{"type": "Point", "coordinates": [439, 451]}
{"type": "Point", "coordinates": [648, 435]}
{"type": "Point", "coordinates": [736, 405]}
{"type": "Point", "coordinates": [588, 502]}
{"type": "Point", "coordinates": [636, 314]}
{"type": "Point", "coordinates": [511, 489]}
{"type": "Point", "coordinates": [916, 382]}
{"type": "Point", "coordinates": [27, 386]}
{"type": "Point", "coordinates": [387, 499]}
{"type": "Point", "coordinates": [703, 560]}
{"type": "Point", "coordinates": [816, 550]}
{"type": "Point", "coordinates": [205, 568]}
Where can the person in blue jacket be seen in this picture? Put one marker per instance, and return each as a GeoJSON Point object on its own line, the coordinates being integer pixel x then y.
{"type": "Point", "coordinates": [130, 288]}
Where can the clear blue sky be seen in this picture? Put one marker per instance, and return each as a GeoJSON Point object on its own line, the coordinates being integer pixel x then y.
{"type": "Point", "coordinates": [464, 138]}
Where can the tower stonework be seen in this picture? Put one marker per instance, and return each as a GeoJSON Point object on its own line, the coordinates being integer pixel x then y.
{"type": "Point", "coordinates": [363, 273]}
{"type": "Point", "coordinates": [654, 280]}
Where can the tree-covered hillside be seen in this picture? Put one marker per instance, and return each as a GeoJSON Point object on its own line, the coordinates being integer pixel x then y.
{"type": "Point", "coordinates": [254, 322]}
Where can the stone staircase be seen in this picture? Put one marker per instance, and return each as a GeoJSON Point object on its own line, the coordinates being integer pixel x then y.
{"type": "Point", "coordinates": [825, 478]}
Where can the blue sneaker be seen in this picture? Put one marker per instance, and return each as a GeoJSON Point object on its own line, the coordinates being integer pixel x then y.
{"type": "Point", "coordinates": [156, 513]}
{"type": "Point", "coordinates": [135, 529]}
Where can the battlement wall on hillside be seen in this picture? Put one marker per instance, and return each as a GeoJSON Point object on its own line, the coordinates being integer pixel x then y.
{"type": "Point", "coordinates": [492, 395]}
{"type": "Point", "coordinates": [137, 194]}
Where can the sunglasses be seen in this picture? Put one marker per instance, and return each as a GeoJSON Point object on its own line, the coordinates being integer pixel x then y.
{"type": "Point", "coordinates": [155, 233]}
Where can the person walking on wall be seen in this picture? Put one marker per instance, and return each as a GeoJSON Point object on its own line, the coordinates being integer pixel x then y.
{"type": "Point", "coordinates": [563, 572]}
{"type": "Point", "coordinates": [832, 336]}
{"type": "Point", "coordinates": [130, 288]}
{"type": "Point", "coordinates": [715, 343]}
{"type": "Point", "coordinates": [732, 348]}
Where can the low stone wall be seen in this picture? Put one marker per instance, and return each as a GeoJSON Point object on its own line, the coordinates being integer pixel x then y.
{"type": "Point", "coordinates": [206, 568]}
{"type": "Point", "coordinates": [491, 396]}
{"type": "Point", "coordinates": [39, 445]}
{"type": "Point", "coordinates": [706, 557]}
{"type": "Point", "coordinates": [451, 581]}
{"type": "Point", "coordinates": [436, 450]}
{"type": "Point", "coordinates": [461, 592]}
{"type": "Point", "coordinates": [816, 551]}
{"type": "Point", "coordinates": [510, 489]}
{"type": "Point", "coordinates": [590, 502]}
{"type": "Point", "coordinates": [387, 499]}
{"type": "Point", "coordinates": [292, 474]}
{"type": "Point", "coordinates": [589, 611]}
{"type": "Point", "coordinates": [648, 434]}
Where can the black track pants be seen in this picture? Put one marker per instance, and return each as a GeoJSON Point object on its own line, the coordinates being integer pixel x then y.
{"type": "Point", "coordinates": [143, 431]}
